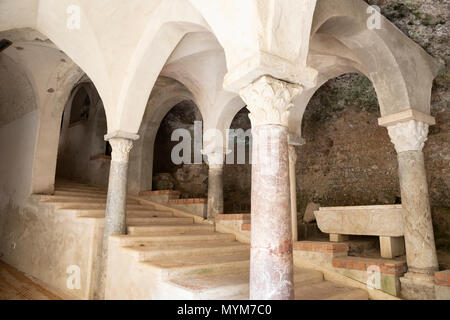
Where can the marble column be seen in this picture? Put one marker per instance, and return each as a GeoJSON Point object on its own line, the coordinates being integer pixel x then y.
{"type": "Point", "coordinates": [409, 139]}
{"type": "Point", "coordinates": [271, 261]}
{"type": "Point", "coordinates": [115, 216]}
{"type": "Point", "coordinates": [293, 190]}
{"type": "Point", "coordinates": [215, 185]}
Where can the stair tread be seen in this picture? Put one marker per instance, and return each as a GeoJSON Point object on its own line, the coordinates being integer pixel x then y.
{"type": "Point", "coordinates": [214, 281]}
{"type": "Point", "coordinates": [327, 290]}
{"type": "Point", "coordinates": [181, 220]}
{"type": "Point", "coordinates": [187, 246]}
{"type": "Point", "coordinates": [102, 211]}
{"type": "Point", "coordinates": [198, 260]}
{"type": "Point", "coordinates": [175, 237]}
{"type": "Point", "coordinates": [151, 228]}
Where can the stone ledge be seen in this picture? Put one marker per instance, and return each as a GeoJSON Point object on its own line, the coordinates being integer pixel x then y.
{"type": "Point", "coordinates": [318, 246]}
{"type": "Point", "coordinates": [442, 278]}
{"type": "Point", "coordinates": [159, 193]}
{"type": "Point", "coordinates": [188, 201]}
{"type": "Point", "coordinates": [234, 216]}
{"type": "Point", "coordinates": [362, 264]}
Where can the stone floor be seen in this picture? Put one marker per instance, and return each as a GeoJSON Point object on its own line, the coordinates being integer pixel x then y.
{"type": "Point", "coordinates": [15, 285]}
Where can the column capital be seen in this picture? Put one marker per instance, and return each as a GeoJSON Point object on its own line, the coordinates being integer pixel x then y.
{"type": "Point", "coordinates": [409, 136]}
{"type": "Point", "coordinates": [269, 100]}
{"type": "Point", "coordinates": [121, 148]}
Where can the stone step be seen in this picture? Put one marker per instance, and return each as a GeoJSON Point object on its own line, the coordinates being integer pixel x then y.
{"type": "Point", "coordinates": [327, 290]}
{"type": "Point", "coordinates": [180, 238]}
{"type": "Point", "coordinates": [79, 193]}
{"type": "Point", "coordinates": [168, 268]}
{"type": "Point", "coordinates": [231, 286]}
{"type": "Point", "coordinates": [98, 206]}
{"type": "Point", "coordinates": [137, 230]}
{"type": "Point", "coordinates": [77, 187]}
{"type": "Point", "coordinates": [168, 250]}
{"type": "Point", "coordinates": [99, 213]}
{"type": "Point", "coordinates": [50, 198]}
{"type": "Point", "coordinates": [138, 221]}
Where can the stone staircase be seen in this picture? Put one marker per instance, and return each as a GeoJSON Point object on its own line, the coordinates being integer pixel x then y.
{"type": "Point", "coordinates": [166, 255]}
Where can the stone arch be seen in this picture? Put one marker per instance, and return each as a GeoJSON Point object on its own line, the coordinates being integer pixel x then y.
{"type": "Point", "coordinates": [165, 95]}
{"type": "Point", "coordinates": [400, 70]}
{"type": "Point", "coordinates": [52, 80]}
{"type": "Point", "coordinates": [329, 68]}
{"type": "Point", "coordinates": [159, 40]}
{"type": "Point", "coordinates": [45, 159]}
{"type": "Point", "coordinates": [77, 137]}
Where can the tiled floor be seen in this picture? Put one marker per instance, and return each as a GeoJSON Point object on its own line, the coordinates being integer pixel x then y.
{"type": "Point", "coordinates": [14, 285]}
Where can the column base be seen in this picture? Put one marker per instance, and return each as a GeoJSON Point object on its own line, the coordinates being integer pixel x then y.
{"type": "Point", "coordinates": [417, 286]}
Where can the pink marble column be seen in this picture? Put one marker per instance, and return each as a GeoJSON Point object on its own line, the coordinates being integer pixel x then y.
{"type": "Point", "coordinates": [271, 261]}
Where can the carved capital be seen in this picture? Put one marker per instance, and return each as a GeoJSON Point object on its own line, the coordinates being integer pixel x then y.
{"type": "Point", "coordinates": [409, 136]}
{"type": "Point", "coordinates": [292, 154]}
{"type": "Point", "coordinates": [269, 101]}
{"type": "Point", "coordinates": [121, 148]}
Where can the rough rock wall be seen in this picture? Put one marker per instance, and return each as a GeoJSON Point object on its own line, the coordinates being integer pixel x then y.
{"type": "Point", "coordinates": [348, 158]}
{"type": "Point", "coordinates": [190, 179]}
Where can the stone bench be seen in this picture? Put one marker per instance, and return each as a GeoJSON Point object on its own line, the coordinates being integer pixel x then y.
{"type": "Point", "coordinates": [384, 221]}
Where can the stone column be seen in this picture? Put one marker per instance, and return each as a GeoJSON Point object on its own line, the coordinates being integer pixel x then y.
{"type": "Point", "coordinates": [115, 216]}
{"type": "Point", "coordinates": [215, 185]}
{"type": "Point", "coordinates": [409, 138]}
{"type": "Point", "coordinates": [293, 190]}
{"type": "Point", "coordinates": [271, 262]}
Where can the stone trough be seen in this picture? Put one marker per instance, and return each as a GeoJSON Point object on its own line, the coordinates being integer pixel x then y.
{"type": "Point", "coordinates": [384, 221]}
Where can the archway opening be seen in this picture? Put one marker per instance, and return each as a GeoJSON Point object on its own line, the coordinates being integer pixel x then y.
{"type": "Point", "coordinates": [237, 169]}
{"type": "Point", "coordinates": [190, 177]}
{"type": "Point", "coordinates": [347, 158]}
{"type": "Point", "coordinates": [83, 154]}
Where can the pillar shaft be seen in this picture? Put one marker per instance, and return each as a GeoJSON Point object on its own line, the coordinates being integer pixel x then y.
{"type": "Point", "coordinates": [409, 139]}
{"type": "Point", "coordinates": [215, 190]}
{"type": "Point", "coordinates": [271, 261]}
{"type": "Point", "coordinates": [293, 191]}
{"type": "Point", "coordinates": [115, 217]}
